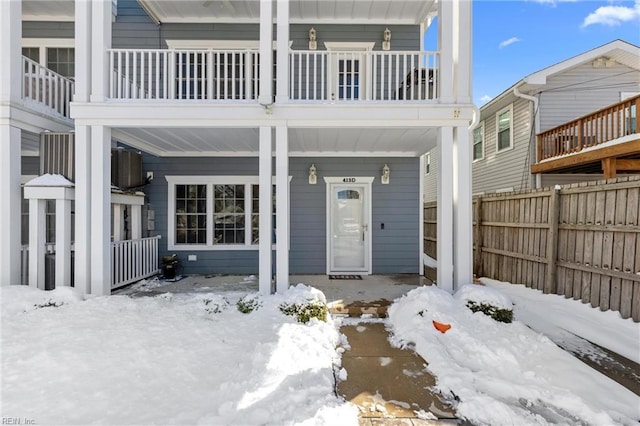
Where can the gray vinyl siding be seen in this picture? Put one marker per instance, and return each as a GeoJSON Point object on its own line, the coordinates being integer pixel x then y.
{"type": "Point", "coordinates": [394, 248]}
{"type": "Point", "coordinates": [42, 29]}
{"type": "Point", "coordinates": [134, 29]}
{"type": "Point", "coordinates": [508, 168]}
{"type": "Point", "coordinates": [430, 188]}
{"type": "Point", "coordinates": [583, 90]}
{"type": "Point", "coordinates": [30, 166]}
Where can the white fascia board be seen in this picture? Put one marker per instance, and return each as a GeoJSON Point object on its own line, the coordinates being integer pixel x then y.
{"type": "Point", "coordinates": [128, 199]}
{"type": "Point", "coordinates": [292, 20]}
{"type": "Point", "coordinates": [49, 193]}
{"type": "Point", "coordinates": [34, 121]}
{"type": "Point", "coordinates": [48, 18]}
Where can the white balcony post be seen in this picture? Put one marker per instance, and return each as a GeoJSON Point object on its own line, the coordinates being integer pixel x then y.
{"type": "Point", "coordinates": [462, 208]}
{"type": "Point", "coordinates": [10, 214]}
{"type": "Point", "coordinates": [445, 210]}
{"type": "Point", "coordinates": [282, 208]}
{"type": "Point", "coordinates": [266, 52]}
{"type": "Point", "coordinates": [63, 242]}
{"type": "Point", "coordinates": [462, 51]}
{"type": "Point", "coordinates": [282, 32]}
{"type": "Point", "coordinates": [82, 50]}
{"type": "Point", "coordinates": [101, 14]}
{"type": "Point", "coordinates": [82, 276]}
{"type": "Point", "coordinates": [446, 30]}
{"type": "Point", "coordinates": [135, 222]}
{"type": "Point", "coordinates": [266, 228]}
{"type": "Point", "coordinates": [100, 210]}
{"type": "Point", "coordinates": [10, 42]}
{"type": "Point", "coordinates": [37, 241]}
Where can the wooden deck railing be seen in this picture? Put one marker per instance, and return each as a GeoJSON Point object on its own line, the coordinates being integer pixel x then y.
{"type": "Point", "coordinates": [233, 75]}
{"type": "Point", "coordinates": [46, 89]}
{"type": "Point", "coordinates": [604, 125]}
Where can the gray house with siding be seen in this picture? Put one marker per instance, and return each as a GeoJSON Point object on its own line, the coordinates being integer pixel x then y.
{"type": "Point", "coordinates": [505, 145]}
{"type": "Point", "coordinates": [273, 137]}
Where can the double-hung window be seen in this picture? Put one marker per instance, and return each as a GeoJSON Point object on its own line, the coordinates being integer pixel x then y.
{"type": "Point", "coordinates": [504, 129]}
{"type": "Point", "coordinates": [214, 212]}
{"type": "Point", "coordinates": [478, 142]}
{"type": "Point", "coordinates": [56, 54]}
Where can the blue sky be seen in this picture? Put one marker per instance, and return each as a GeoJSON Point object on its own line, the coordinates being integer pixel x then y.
{"type": "Point", "coordinates": [512, 39]}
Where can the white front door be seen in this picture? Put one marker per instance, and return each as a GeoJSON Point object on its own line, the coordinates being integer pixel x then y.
{"type": "Point", "coordinates": [349, 239]}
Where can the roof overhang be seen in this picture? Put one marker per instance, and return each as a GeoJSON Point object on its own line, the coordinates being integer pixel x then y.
{"type": "Point", "coordinates": [387, 12]}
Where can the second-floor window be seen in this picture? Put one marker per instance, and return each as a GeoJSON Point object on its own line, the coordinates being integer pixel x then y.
{"type": "Point", "coordinates": [504, 129]}
{"type": "Point", "coordinates": [478, 142]}
{"type": "Point", "coordinates": [56, 54]}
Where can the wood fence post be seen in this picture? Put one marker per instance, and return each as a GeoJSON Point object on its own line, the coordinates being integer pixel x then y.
{"type": "Point", "coordinates": [477, 238]}
{"type": "Point", "coordinates": [550, 284]}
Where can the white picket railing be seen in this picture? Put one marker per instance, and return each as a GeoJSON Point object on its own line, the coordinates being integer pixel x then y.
{"type": "Point", "coordinates": [46, 88]}
{"type": "Point", "coordinates": [133, 260]}
{"type": "Point", "coordinates": [358, 76]}
{"type": "Point", "coordinates": [184, 74]}
{"type": "Point", "coordinates": [167, 74]}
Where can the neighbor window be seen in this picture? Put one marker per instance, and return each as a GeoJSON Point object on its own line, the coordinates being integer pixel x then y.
{"type": "Point", "coordinates": [57, 54]}
{"type": "Point", "coordinates": [427, 163]}
{"type": "Point", "coordinates": [207, 212]}
{"type": "Point", "coordinates": [478, 142]}
{"type": "Point", "coordinates": [504, 128]}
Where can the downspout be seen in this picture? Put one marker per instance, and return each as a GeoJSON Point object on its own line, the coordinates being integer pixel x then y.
{"type": "Point", "coordinates": [536, 124]}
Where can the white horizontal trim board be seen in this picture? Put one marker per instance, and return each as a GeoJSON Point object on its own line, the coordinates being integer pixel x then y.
{"type": "Point", "coordinates": [351, 179]}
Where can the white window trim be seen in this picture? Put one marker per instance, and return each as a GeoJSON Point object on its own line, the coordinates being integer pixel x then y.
{"type": "Point", "coordinates": [44, 43]}
{"type": "Point", "coordinates": [217, 44]}
{"type": "Point", "coordinates": [364, 46]}
{"type": "Point", "coordinates": [365, 67]}
{"type": "Point", "coordinates": [210, 181]}
{"type": "Point", "coordinates": [511, 146]}
{"type": "Point", "coordinates": [473, 144]}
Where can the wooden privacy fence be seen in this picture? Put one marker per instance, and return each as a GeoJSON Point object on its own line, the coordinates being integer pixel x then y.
{"type": "Point", "coordinates": [581, 241]}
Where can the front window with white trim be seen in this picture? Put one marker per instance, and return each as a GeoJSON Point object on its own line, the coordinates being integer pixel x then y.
{"type": "Point", "coordinates": [214, 212]}
{"type": "Point", "coordinates": [504, 129]}
{"type": "Point", "coordinates": [58, 55]}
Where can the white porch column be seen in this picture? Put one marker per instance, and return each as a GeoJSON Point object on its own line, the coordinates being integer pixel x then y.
{"type": "Point", "coordinates": [10, 141]}
{"type": "Point", "coordinates": [135, 221]}
{"type": "Point", "coordinates": [282, 208]}
{"type": "Point", "coordinates": [446, 29]}
{"type": "Point", "coordinates": [282, 32]}
{"type": "Point", "coordinates": [445, 210]}
{"type": "Point", "coordinates": [266, 52]}
{"type": "Point", "coordinates": [101, 210]}
{"type": "Point", "coordinates": [462, 51]}
{"type": "Point", "coordinates": [63, 243]}
{"type": "Point", "coordinates": [462, 208]}
{"type": "Point", "coordinates": [118, 222]}
{"type": "Point", "coordinates": [82, 51]}
{"type": "Point", "coordinates": [266, 228]}
{"type": "Point", "coordinates": [37, 240]}
{"type": "Point", "coordinates": [101, 15]}
{"type": "Point", "coordinates": [82, 276]}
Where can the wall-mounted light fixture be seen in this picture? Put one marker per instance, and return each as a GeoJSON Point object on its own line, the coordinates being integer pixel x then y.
{"type": "Point", "coordinates": [313, 44]}
{"type": "Point", "coordinates": [386, 39]}
{"type": "Point", "coordinates": [313, 175]}
{"type": "Point", "coordinates": [384, 179]}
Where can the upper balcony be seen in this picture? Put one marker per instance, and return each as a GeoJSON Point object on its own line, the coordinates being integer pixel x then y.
{"type": "Point", "coordinates": [607, 140]}
{"type": "Point", "coordinates": [233, 75]}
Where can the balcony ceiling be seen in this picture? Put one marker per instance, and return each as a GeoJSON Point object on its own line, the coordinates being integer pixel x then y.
{"type": "Point", "coordinates": [302, 142]}
{"type": "Point", "coordinates": [301, 11]}
{"type": "Point", "coordinates": [48, 10]}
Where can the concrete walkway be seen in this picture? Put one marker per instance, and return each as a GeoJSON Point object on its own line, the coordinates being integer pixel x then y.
{"type": "Point", "coordinates": [389, 385]}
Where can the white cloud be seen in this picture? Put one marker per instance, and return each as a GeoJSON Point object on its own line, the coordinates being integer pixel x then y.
{"type": "Point", "coordinates": [485, 99]}
{"type": "Point", "coordinates": [508, 42]}
{"type": "Point", "coordinates": [613, 16]}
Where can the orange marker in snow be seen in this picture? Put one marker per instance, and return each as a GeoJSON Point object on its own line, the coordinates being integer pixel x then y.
{"type": "Point", "coordinates": [441, 327]}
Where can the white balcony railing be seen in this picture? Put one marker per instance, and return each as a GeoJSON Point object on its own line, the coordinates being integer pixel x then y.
{"type": "Point", "coordinates": [233, 75]}
{"type": "Point", "coordinates": [45, 88]}
{"type": "Point", "coordinates": [133, 260]}
{"type": "Point", "coordinates": [183, 74]}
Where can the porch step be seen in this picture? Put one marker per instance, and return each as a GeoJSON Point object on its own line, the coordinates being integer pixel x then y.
{"type": "Point", "coordinates": [375, 309]}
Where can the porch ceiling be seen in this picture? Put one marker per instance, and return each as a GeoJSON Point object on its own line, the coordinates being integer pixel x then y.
{"type": "Point", "coordinates": [329, 11]}
{"type": "Point", "coordinates": [54, 10]}
{"type": "Point", "coordinates": [168, 142]}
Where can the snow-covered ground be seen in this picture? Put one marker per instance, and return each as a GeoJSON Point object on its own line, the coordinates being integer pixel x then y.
{"type": "Point", "coordinates": [194, 359]}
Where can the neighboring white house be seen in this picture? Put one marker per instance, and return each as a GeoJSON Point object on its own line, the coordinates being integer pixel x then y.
{"type": "Point", "coordinates": [277, 136]}
{"type": "Point", "coordinates": [505, 145]}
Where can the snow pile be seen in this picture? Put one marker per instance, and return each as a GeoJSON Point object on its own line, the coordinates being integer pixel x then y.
{"type": "Point", "coordinates": [562, 319]}
{"type": "Point", "coordinates": [48, 179]}
{"type": "Point", "coordinates": [483, 295]}
{"type": "Point", "coordinates": [169, 359]}
{"type": "Point", "coordinates": [504, 373]}
{"type": "Point", "coordinates": [17, 299]}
